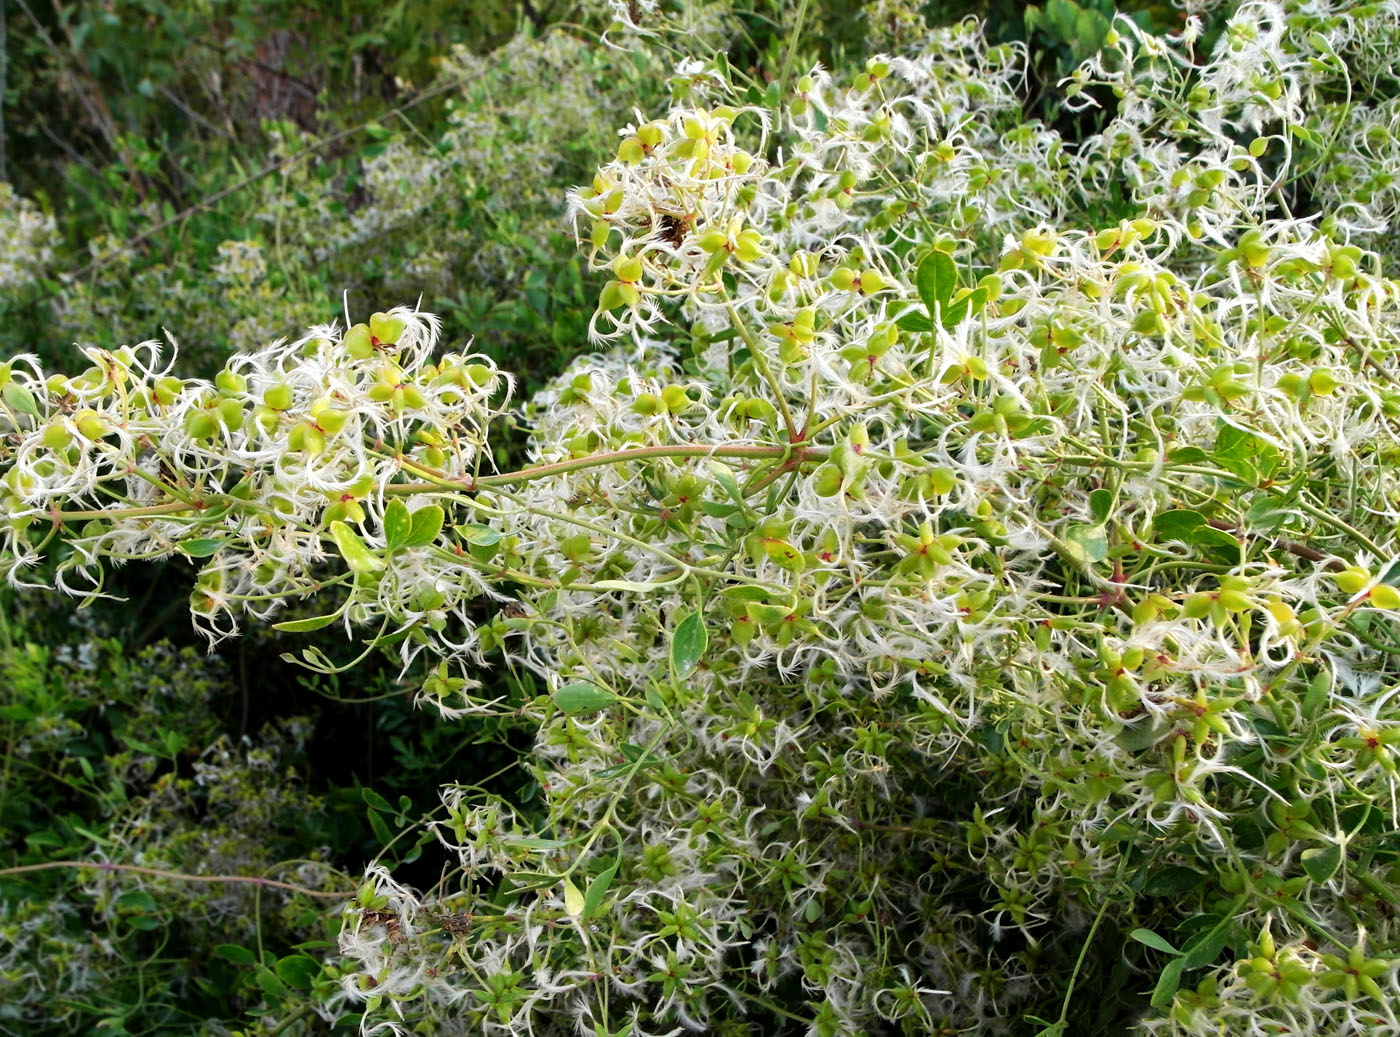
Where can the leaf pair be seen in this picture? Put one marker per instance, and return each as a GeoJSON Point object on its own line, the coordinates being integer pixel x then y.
{"type": "Point", "coordinates": [936, 280]}
{"type": "Point", "coordinates": [402, 528]}
{"type": "Point", "coordinates": [688, 646]}
{"type": "Point", "coordinates": [585, 906]}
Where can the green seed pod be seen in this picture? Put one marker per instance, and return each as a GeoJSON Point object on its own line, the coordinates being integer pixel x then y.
{"type": "Point", "coordinates": [231, 413]}
{"type": "Point", "coordinates": [628, 269]}
{"type": "Point", "coordinates": [386, 329]}
{"type": "Point", "coordinates": [202, 425]}
{"type": "Point", "coordinates": [749, 246]}
{"type": "Point", "coordinates": [1196, 606]}
{"type": "Point", "coordinates": [1384, 596]}
{"type": "Point", "coordinates": [1322, 382]}
{"type": "Point", "coordinates": [1352, 580]}
{"type": "Point", "coordinates": [827, 480]}
{"type": "Point", "coordinates": [713, 241]}
{"type": "Point", "coordinates": [91, 425]}
{"type": "Point", "coordinates": [358, 342]}
{"type": "Point", "coordinates": [56, 437]}
{"type": "Point", "coordinates": [306, 438]}
{"type": "Point", "coordinates": [330, 420]}
{"type": "Point", "coordinates": [759, 409]}
{"type": "Point", "coordinates": [674, 399]}
{"type": "Point", "coordinates": [279, 397]}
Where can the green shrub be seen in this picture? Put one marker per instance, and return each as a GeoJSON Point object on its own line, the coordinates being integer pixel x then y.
{"type": "Point", "coordinates": [958, 597]}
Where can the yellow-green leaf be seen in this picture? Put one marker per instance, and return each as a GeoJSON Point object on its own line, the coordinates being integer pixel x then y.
{"type": "Point", "coordinates": [359, 557]}
{"type": "Point", "coordinates": [573, 899]}
{"type": "Point", "coordinates": [783, 553]}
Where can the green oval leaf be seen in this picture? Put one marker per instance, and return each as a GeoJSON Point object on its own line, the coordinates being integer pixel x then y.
{"type": "Point", "coordinates": [915, 322]}
{"type": "Point", "coordinates": [1322, 862]}
{"type": "Point", "coordinates": [375, 800]}
{"type": "Point", "coordinates": [1204, 948]}
{"type": "Point", "coordinates": [234, 953]}
{"type": "Point", "coordinates": [397, 524]}
{"type": "Point", "coordinates": [481, 536]}
{"type": "Point", "coordinates": [1101, 505]}
{"type": "Point", "coordinates": [688, 645]}
{"type": "Point", "coordinates": [936, 279]}
{"type": "Point", "coordinates": [1150, 939]}
{"type": "Point", "coordinates": [573, 899]}
{"type": "Point", "coordinates": [971, 303]}
{"type": "Point", "coordinates": [783, 553]}
{"type": "Point", "coordinates": [270, 982]}
{"type": "Point", "coordinates": [1168, 983]}
{"type": "Point", "coordinates": [302, 626]}
{"type": "Point", "coordinates": [298, 971]}
{"type": "Point", "coordinates": [136, 900]}
{"type": "Point", "coordinates": [1177, 524]}
{"type": "Point", "coordinates": [1087, 543]}
{"type": "Point", "coordinates": [534, 843]}
{"type": "Point", "coordinates": [20, 398]}
{"type": "Point", "coordinates": [1170, 881]}
{"type": "Point", "coordinates": [583, 697]}
{"type": "Point", "coordinates": [427, 524]}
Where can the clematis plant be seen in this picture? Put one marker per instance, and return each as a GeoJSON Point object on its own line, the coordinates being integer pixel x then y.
{"type": "Point", "coordinates": [958, 577]}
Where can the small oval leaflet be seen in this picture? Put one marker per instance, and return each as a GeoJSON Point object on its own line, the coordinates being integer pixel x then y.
{"type": "Point", "coordinates": [1087, 543]}
{"type": "Point", "coordinates": [20, 398]}
{"type": "Point", "coordinates": [201, 548]}
{"type": "Point", "coordinates": [235, 953]}
{"type": "Point", "coordinates": [269, 981]}
{"type": "Point", "coordinates": [936, 278]}
{"type": "Point", "coordinates": [427, 524]}
{"type": "Point", "coordinates": [688, 645]}
{"type": "Point", "coordinates": [1150, 939]}
{"type": "Point", "coordinates": [298, 971]}
{"type": "Point", "coordinates": [481, 536]}
{"type": "Point", "coordinates": [359, 557]}
{"type": "Point", "coordinates": [397, 523]}
{"type": "Point", "coordinates": [783, 553]}
{"type": "Point", "coordinates": [1171, 881]}
{"type": "Point", "coordinates": [301, 626]}
{"type": "Point", "coordinates": [1322, 862]}
{"type": "Point", "coordinates": [583, 697]}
